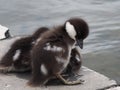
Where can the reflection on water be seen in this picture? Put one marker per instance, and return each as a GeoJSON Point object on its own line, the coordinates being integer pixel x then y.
{"type": "Point", "coordinates": [102, 48]}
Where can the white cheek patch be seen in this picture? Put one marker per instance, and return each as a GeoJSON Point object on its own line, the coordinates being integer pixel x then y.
{"type": "Point", "coordinates": [17, 54]}
{"type": "Point", "coordinates": [43, 69]}
{"type": "Point", "coordinates": [70, 30]}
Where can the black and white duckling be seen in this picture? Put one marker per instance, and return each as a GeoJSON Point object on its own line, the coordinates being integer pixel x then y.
{"type": "Point", "coordinates": [18, 58]}
{"type": "Point", "coordinates": [75, 63]}
{"type": "Point", "coordinates": [52, 51]}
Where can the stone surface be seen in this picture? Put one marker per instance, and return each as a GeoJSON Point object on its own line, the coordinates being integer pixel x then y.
{"type": "Point", "coordinates": [92, 79]}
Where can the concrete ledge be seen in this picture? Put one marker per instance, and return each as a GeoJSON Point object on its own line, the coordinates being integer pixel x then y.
{"type": "Point", "coordinates": [93, 80]}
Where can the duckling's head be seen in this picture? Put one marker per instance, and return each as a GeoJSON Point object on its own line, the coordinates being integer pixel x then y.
{"type": "Point", "coordinates": [77, 29]}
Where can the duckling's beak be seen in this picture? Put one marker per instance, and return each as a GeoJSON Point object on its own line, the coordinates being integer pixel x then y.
{"type": "Point", "coordinates": [80, 43]}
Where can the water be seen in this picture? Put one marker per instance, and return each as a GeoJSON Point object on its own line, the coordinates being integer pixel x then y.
{"type": "Point", "coordinates": [101, 49]}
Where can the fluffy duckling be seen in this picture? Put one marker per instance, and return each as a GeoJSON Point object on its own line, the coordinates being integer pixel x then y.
{"type": "Point", "coordinates": [18, 58]}
{"type": "Point", "coordinates": [52, 52]}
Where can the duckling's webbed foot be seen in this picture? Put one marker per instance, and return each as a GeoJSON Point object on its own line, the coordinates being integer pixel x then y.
{"type": "Point", "coordinates": [69, 82]}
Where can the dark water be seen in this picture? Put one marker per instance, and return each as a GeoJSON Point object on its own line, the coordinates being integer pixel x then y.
{"type": "Point", "coordinates": [102, 47]}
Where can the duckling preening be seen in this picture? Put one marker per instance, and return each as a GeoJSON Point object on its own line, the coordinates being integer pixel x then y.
{"type": "Point", "coordinates": [52, 52]}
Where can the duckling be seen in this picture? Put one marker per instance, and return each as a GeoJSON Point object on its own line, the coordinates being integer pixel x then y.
{"type": "Point", "coordinates": [75, 63]}
{"type": "Point", "coordinates": [23, 62]}
{"type": "Point", "coordinates": [51, 53]}
{"type": "Point", "coordinates": [17, 59]}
